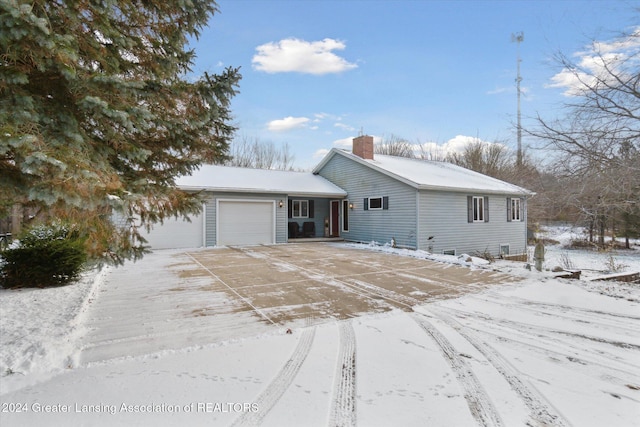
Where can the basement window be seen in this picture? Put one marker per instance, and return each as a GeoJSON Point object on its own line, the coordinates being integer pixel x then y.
{"type": "Point", "coordinates": [449, 252]}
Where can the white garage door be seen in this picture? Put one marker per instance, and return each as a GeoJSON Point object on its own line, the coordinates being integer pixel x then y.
{"type": "Point", "coordinates": [177, 233]}
{"type": "Point", "coordinates": [245, 222]}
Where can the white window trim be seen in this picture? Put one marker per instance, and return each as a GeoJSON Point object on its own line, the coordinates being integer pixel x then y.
{"type": "Point", "coordinates": [345, 211]}
{"type": "Point", "coordinates": [381, 203]}
{"type": "Point", "coordinates": [293, 208]}
{"type": "Point", "coordinates": [478, 212]}
{"type": "Point", "coordinates": [516, 209]}
{"type": "Point", "coordinates": [502, 245]}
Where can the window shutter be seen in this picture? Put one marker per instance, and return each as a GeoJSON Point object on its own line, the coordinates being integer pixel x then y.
{"type": "Point", "coordinates": [385, 202]}
{"type": "Point", "coordinates": [366, 204]}
{"type": "Point", "coordinates": [290, 208]}
{"type": "Point", "coordinates": [310, 208]}
{"type": "Point", "coordinates": [523, 208]}
{"type": "Point", "coordinates": [469, 208]}
{"type": "Point", "coordinates": [509, 216]}
{"type": "Point", "coordinates": [486, 208]}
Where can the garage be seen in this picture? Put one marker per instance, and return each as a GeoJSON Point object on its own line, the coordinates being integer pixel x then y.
{"type": "Point", "coordinates": [245, 222]}
{"type": "Point", "coordinates": [177, 233]}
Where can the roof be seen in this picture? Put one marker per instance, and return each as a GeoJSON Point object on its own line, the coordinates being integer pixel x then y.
{"type": "Point", "coordinates": [245, 180]}
{"type": "Point", "coordinates": [431, 175]}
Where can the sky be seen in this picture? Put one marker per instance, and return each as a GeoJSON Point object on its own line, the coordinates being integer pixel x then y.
{"type": "Point", "coordinates": [316, 73]}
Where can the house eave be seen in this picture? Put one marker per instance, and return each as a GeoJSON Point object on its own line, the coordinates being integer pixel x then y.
{"type": "Point", "coordinates": [515, 192]}
{"type": "Point", "coordinates": [280, 192]}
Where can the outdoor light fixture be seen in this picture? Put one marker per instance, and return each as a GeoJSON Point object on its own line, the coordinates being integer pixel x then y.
{"type": "Point", "coordinates": [351, 206]}
{"type": "Point", "coordinates": [280, 204]}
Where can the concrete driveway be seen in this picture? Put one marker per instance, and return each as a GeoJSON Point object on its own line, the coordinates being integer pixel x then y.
{"type": "Point", "coordinates": [187, 298]}
{"type": "Point", "coordinates": [288, 282]}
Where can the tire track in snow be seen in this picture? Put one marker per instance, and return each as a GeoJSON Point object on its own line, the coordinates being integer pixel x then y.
{"type": "Point", "coordinates": [358, 287]}
{"type": "Point", "coordinates": [480, 405]}
{"type": "Point", "coordinates": [541, 412]}
{"type": "Point", "coordinates": [272, 394]}
{"type": "Point", "coordinates": [343, 408]}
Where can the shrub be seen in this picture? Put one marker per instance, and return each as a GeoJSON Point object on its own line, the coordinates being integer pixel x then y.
{"type": "Point", "coordinates": [46, 255]}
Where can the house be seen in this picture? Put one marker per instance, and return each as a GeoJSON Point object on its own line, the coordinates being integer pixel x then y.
{"type": "Point", "coordinates": [248, 206]}
{"type": "Point", "coordinates": [434, 206]}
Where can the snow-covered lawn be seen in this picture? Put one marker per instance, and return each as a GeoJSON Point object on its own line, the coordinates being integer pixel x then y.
{"type": "Point", "coordinates": [537, 351]}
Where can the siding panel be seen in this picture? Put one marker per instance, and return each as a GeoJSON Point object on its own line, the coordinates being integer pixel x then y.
{"type": "Point", "coordinates": [397, 222]}
{"type": "Point", "coordinates": [444, 218]}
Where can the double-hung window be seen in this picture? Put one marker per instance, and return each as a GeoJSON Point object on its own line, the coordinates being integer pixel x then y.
{"type": "Point", "coordinates": [478, 208]}
{"type": "Point", "coordinates": [515, 209]}
{"type": "Point", "coordinates": [300, 209]}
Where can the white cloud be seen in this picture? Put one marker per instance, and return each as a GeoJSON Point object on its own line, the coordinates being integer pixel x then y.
{"type": "Point", "coordinates": [591, 63]}
{"type": "Point", "coordinates": [295, 55]}
{"type": "Point", "coordinates": [499, 90]}
{"type": "Point", "coordinates": [344, 127]}
{"type": "Point", "coordinates": [287, 123]}
{"type": "Point", "coordinates": [320, 153]}
{"type": "Point", "coordinates": [343, 143]}
{"type": "Point", "coordinates": [457, 144]}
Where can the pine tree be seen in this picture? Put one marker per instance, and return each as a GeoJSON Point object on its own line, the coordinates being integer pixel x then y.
{"type": "Point", "coordinates": [98, 114]}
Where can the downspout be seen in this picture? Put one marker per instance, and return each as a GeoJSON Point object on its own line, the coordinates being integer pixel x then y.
{"type": "Point", "coordinates": [418, 219]}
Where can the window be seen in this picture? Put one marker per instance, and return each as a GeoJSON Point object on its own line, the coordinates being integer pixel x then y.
{"type": "Point", "coordinates": [300, 209]}
{"type": "Point", "coordinates": [376, 203]}
{"type": "Point", "coordinates": [345, 215]}
{"type": "Point", "coordinates": [449, 252]}
{"type": "Point", "coordinates": [514, 209]}
{"type": "Point", "coordinates": [504, 250]}
{"type": "Point", "coordinates": [478, 208]}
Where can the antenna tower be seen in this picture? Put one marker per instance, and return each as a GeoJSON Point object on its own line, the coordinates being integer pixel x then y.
{"type": "Point", "coordinates": [518, 38]}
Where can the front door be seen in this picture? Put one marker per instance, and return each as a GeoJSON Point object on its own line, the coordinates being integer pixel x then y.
{"type": "Point", "coordinates": [335, 218]}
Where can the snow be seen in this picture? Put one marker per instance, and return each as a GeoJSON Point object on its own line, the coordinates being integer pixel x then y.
{"type": "Point", "coordinates": [434, 175]}
{"type": "Point", "coordinates": [246, 180]}
{"type": "Point", "coordinates": [39, 329]}
{"type": "Point", "coordinates": [536, 351]}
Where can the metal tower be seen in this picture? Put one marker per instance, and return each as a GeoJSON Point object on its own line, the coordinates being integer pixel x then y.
{"type": "Point", "coordinates": [518, 38]}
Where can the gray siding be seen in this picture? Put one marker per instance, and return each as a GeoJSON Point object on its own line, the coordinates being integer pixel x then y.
{"type": "Point", "coordinates": [398, 222]}
{"type": "Point", "coordinates": [444, 216]}
{"type": "Point", "coordinates": [281, 213]}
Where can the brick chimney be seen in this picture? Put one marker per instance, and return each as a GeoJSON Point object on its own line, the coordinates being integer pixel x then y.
{"type": "Point", "coordinates": [363, 147]}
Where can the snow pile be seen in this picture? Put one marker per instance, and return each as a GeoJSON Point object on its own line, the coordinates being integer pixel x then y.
{"type": "Point", "coordinates": [464, 260]}
{"type": "Point", "coordinates": [39, 327]}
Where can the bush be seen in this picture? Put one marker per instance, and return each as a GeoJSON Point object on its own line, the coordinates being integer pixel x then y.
{"type": "Point", "coordinates": [49, 255]}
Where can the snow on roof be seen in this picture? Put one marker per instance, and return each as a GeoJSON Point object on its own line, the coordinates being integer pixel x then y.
{"type": "Point", "coordinates": [433, 175]}
{"type": "Point", "coordinates": [245, 180]}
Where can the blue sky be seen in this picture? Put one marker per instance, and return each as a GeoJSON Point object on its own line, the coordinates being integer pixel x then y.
{"type": "Point", "coordinates": [316, 73]}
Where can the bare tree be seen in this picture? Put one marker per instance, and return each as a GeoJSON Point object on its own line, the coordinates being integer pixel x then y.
{"type": "Point", "coordinates": [493, 159]}
{"type": "Point", "coordinates": [597, 144]}
{"type": "Point", "coordinates": [395, 146]}
{"type": "Point", "coordinates": [253, 153]}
